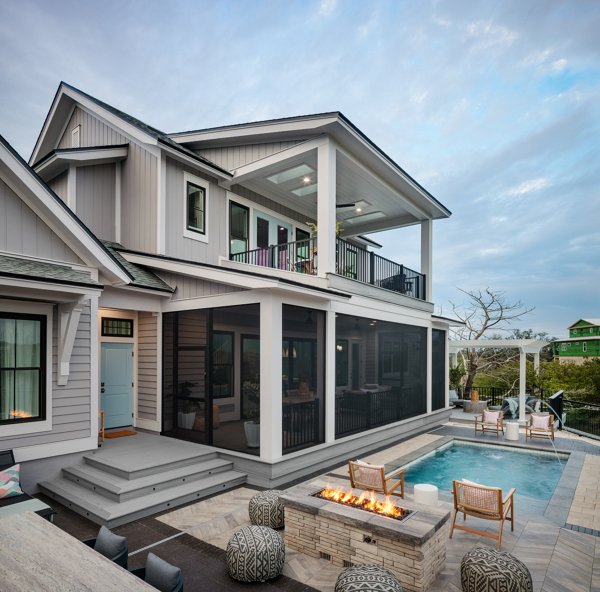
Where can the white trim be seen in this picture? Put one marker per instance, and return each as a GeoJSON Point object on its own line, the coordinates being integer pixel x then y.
{"type": "Point", "coordinates": [197, 236]}
{"type": "Point", "coordinates": [72, 188]}
{"type": "Point", "coordinates": [94, 370]}
{"type": "Point", "coordinates": [427, 257]}
{"type": "Point", "coordinates": [76, 136]}
{"type": "Point", "coordinates": [46, 310]}
{"type": "Point", "coordinates": [63, 158]}
{"type": "Point", "coordinates": [26, 453]}
{"type": "Point", "coordinates": [429, 372]}
{"type": "Point", "coordinates": [326, 216]}
{"type": "Point", "coordinates": [161, 206]}
{"type": "Point", "coordinates": [159, 368]}
{"type": "Point", "coordinates": [118, 182]}
{"type": "Point", "coordinates": [330, 354]}
{"type": "Point", "coordinates": [47, 284]}
{"type": "Point", "coordinates": [186, 159]}
{"type": "Point", "coordinates": [68, 323]}
{"type": "Point", "coordinates": [148, 424]}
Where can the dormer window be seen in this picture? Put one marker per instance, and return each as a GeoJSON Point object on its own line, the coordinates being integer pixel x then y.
{"type": "Point", "coordinates": [75, 133]}
{"type": "Point", "coordinates": [195, 208]}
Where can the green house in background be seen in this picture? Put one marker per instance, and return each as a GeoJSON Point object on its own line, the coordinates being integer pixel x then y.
{"type": "Point", "coordinates": [583, 342]}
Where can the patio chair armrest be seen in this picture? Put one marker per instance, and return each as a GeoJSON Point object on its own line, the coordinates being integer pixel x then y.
{"type": "Point", "coordinates": [89, 542]}
{"type": "Point", "coordinates": [396, 474]}
{"type": "Point", "coordinates": [509, 495]}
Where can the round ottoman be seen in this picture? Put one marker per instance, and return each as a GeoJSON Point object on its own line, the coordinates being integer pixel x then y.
{"type": "Point", "coordinates": [485, 569]}
{"type": "Point", "coordinates": [367, 578]}
{"type": "Point", "coordinates": [266, 509]}
{"type": "Point", "coordinates": [255, 554]}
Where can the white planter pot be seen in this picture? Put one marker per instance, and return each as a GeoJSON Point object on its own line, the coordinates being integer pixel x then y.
{"type": "Point", "coordinates": [186, 420]}
{"type": "Point", "coordinates": [252, 431]}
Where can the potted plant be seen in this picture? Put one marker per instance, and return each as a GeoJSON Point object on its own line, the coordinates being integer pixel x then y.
{"type": "Point", "coordinates": [252, 414]}
{"type": "Point", "coordinates": [187, 416]}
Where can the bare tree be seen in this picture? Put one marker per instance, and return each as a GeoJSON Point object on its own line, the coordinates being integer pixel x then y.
{"type": "Point", "coordinates": [486, 311]}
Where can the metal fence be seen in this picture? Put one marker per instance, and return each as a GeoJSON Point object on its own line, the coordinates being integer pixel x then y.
{"type": "Point", "coordinates": [581, 417]}
{"type": "Point", "coordinates": [300, 425]}
{"type": "Point", "coordinates": [495, 395]}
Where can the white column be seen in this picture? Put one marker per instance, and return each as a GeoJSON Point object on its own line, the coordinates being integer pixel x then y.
{"type": "Point", "coordinates": [429, 370]}
{"type": "Point", "coordinates": [447, 368]}
{"type": "Point", "coordinates": [536, 362]}
{"type": "Point", "coordinates": [330, 376]}
{"type": "Point", "coordinates": [522, 380]}
{"type": "Point", "coordinates": [453, 357]}
{"type": "Point", "coordinates": [94, 366]}
{"type": "Point", "coordinates": [72, 188]}
{"type": "Point", "coordinates": [326, 193]}
{"type": "Point", "coordinates": [426, 256]}
{"type": "Point", "coordinates": [270, 377]}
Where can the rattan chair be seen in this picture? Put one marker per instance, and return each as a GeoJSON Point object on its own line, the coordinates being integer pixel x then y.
{"type": "Point", "coordinates": [539, 426]}
{"type": "Point", "coordinates": [490, 421]}
{"type": "Point", "coordinates": [483, 502]}
{"type": "Point", "coordinates": [373, 478]}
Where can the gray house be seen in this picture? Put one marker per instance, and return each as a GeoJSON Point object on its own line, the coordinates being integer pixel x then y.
{"type": "Point", "coordinates": [217, 286]}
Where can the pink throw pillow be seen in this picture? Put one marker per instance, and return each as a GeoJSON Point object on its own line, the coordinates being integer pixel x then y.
{"type": "Point", "coordinates": [491, 416]}
{"type": "Point", "coordinates": [540, 422]}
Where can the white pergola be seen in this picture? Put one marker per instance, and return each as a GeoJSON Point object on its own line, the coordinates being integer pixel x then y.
{"type": "Point", "coordinates": [525, 346]}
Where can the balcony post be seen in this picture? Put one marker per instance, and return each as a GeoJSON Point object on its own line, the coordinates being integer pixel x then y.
{"type": "Point", "coordinates": [330, 376]}
{"type": "Point", "coordinates": [426, 256]}
{"type": "Point", "coordinates": [326, 195]}
{"type": "Point", "coordinates": [429, 380]}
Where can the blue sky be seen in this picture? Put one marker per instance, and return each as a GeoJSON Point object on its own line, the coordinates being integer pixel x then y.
{"type": "Point", "coordinates": [493, 106]}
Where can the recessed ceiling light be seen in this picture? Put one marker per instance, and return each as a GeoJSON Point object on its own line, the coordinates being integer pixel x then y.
{"type": "Point", "coordinates": [358, 210]}
{"type": "Point", "coordinates": [306, 180]}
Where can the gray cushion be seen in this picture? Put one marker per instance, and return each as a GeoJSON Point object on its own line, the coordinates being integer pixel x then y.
{"type": "Point", "coordinates": [109, 544]}
{"type": "Point", "coordinates": [162, 575]}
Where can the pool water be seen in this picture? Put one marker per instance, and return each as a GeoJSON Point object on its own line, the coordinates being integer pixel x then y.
{"type": "Point", "coordinates": [531, 473]}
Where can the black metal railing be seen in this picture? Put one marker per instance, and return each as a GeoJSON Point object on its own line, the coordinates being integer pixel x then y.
{"type": "Point", "coordinates": [300, 423]}
{"type": "Point", "coordinates": [581, 417]}
{"type": "Point", "coordinates": [358, 411]}
{"type": "Point", "coordinates": [495, 395]}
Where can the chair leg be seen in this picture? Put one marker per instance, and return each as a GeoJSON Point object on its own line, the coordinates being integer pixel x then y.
{"type": "Point", "coordinates": [499, 544]}
{"type": "Point", "coordinates": [453, 521]}
{"type": "Point", "coordinates": [512, 514]}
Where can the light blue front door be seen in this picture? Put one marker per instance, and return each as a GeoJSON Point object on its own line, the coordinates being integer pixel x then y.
{"type": "Point", "coordinates": [116, 375]}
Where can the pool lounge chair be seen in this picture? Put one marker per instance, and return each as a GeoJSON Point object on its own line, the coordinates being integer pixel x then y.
{"type": "Point", "coordinates": [373, 477]}
{"type": "Point", "coordinates": [483, 502]}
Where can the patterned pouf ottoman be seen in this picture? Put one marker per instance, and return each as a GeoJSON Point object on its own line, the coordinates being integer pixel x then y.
{"type": "Point", "coordinates": [255, 554]}
{"type": "Point", "coordinates": [367, 578]}
{"type": "Point", "coordinates": [266, 509]}
{"type": "Point", "coordinates": [485, 569]}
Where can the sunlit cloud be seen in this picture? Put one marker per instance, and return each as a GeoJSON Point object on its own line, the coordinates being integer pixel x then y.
{"type": "Point", "coordinates": [528, 187]}
{"type": "Point", "coordinates": [326, 7]}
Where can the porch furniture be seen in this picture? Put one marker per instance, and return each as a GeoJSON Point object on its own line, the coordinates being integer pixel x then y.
{"type": "Point", "coordinates": [36, 553]}
{"type": "Point", "coordinates": [367, 578]}
{"type": "Point", "coordinates": [22, 502]}
{"type": "Point", "coordinates": [510, 405]}
{"type": "Point", "coordinates": [373, 477]}
{"type": "Point", "coordinates": [160, 574]}
{"type": "Point", "coordinates": [453, 399]}
{"type": "Point", "coordinates": [255, 554]}
{"type": "Point", "coordinates": [426, 494]}
{"type": "Point", "coordinates": [512, 430]}
{"type": "Point", "coordinates": [474, 406]}
{"type": "Point", "coordinates": [111, 545]}
{"type": "Point", "coordinates": [539, 426]}
{"type": "Point", "coordinates": [266, 509]}
{"type": "Point", "coordinates": [484, 569]}
{"type": "Point", "coordinates": [489, 421]}
{"type": "Point", "coordinates": [483, 502]}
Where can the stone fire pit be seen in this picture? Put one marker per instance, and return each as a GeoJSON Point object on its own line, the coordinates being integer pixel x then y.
{"type": "Point", "coordinates": [413, 549]}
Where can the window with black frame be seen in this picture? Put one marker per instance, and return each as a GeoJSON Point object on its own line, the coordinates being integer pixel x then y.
{"type": "Point", "coordinates": [196, 208]}
{"type": "Point", "coordinates": [239, 223]}
{"type": "Point", "coordinates": [22, 367]}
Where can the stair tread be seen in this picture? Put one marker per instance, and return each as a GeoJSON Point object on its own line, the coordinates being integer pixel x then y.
{"type": "Point", "coordinates": [109, 509]}
{"type": "Point", "coordinates": [119, 485]}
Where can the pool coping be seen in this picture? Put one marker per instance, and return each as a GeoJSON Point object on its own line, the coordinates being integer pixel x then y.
{"type": "Point", "coordinates": [557, 508]}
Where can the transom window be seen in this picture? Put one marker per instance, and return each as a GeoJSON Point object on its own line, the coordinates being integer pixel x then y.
{"type": "Point", "coordinates": [196, 208]}
{"type": "Point", "coordinates": [112, 327]}
{"type": "Point", "coordinates": [22, 367]}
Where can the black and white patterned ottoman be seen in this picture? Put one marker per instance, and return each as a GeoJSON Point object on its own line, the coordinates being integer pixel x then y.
{"type": "Point", "coordinates": [255, 554]}
{"type": "Point", "coordinates": [367, 578]}
{"type": "Point", "coordinates": [485, 569]}
{"type": "Point", "coordinates": [266, 509]}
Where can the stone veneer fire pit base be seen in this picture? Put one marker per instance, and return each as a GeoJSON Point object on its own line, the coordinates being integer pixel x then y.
{"type": "Point", "coordinates": [413, 550]}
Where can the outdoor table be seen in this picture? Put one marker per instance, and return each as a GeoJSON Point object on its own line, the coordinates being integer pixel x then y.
{"type": "Point", "coordinates": [512, 430]}
{"type": "Point", "coordinates": [36, 555]}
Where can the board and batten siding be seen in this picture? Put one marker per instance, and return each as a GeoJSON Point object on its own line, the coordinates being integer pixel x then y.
{"type": "Point", "coordinates": [60, 185]}
{"type": "Point", "coordinates": [139, 179]}
{"type": "Point", "coordinates": [70, 403]}
{"type": "Point", "coordinates": [188, 287]}
{"type": "Point", "coordinates": [95, 203]}
{"type": "Point", "coordinates": [147, 376]}
{"type": "Point", "coordinates": [232, 157]}
{"type": "Point", "coordinates": [176, 244]}
{"type": "Point", "coordinates": [24, 233]}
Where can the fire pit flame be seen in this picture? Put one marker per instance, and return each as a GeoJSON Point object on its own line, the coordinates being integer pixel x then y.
{"type": "Point", "coordinates": [365, 501]}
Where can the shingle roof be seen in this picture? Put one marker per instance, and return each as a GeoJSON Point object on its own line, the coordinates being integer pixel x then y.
{"type": "Point", "coordinates": [42, 272]}
{"type": "Point", "coordinates": [151, 131]}
{"type": "Point", "coordinates": [142, 277]}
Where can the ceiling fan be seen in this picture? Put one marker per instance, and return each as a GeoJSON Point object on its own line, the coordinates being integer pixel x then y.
{"type": "Point", "coordinates": [345, 205]}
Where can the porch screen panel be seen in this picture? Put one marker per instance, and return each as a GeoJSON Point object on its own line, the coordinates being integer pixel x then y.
{"type": "Point", "coordinates": [438, 369]}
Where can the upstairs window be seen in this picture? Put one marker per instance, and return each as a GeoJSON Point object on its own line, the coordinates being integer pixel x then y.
{"type": "Point", "coordinates": [584, 346]}
{"type": "Point", "coordinates": [75, 133]}
{"type": "Point", "coordinates": [239, 217]}
{"type": "Point", "coordinates": [195, 208]}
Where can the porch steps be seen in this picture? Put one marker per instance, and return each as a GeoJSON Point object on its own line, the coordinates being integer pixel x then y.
{"type": "Point", "coordinates": [118, 485]}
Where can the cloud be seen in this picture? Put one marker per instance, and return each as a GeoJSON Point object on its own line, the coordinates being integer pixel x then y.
{"type": "Point", "coordinates": [326, 7]}
{"type": "Point", "coordinates": [529, 186]}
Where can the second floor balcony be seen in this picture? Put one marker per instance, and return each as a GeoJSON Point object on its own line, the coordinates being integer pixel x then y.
{"type": "Point", "coordinates": [351, 261]}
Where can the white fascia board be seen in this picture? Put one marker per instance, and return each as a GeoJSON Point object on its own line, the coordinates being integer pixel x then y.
{"type": "Point", "coordinates": [235, 132]}
{"type": "Point", "coordinates": [24, 183]}
{"type": "Point", "coordinates": [193, 162]}
{"type": "Point", "coordinates": [46, 285]}
{"type": "Point", "coordinates": [388, 223]}
{"type": "Point", "coordinates": [60, 160]}
{"type": "Point", "coordinates": [262, 166]}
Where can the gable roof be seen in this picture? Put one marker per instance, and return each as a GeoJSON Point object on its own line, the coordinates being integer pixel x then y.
{"type": "Point", "coordinates": [588, 323]}
{"type": "Point", "coordinates": [49, 134]}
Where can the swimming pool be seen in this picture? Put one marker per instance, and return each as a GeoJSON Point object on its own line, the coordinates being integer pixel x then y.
{"type": "Point", "coordinates": [534, 474]}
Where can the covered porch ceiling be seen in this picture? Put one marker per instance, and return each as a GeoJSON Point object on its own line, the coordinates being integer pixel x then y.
{"type": "Point", "coordinates": [364, 202]}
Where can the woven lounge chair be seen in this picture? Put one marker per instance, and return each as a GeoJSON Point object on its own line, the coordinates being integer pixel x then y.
{"type": "Point", "coordinates": [373, 477]}
{"type": "Point", "coordinates": [539, 426]}
{"type": "Point", "coordinates": [489, 421]}
{"type": "Point", "coordinates": [483, 502]}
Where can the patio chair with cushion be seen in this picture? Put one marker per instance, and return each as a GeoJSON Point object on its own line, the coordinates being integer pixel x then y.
{"type": "Point", "coordinates": [489, 421]}
{"type": "Point", "coordinates": [539, 426]}
{"type": "Point", "coordinates": [373, 477]}
{"type": "Point", "coordinates": [160, 574]}
{"type": "Point", "coordinates": [481, 501]}
{"type": "Point", "coordinates": [111, 545]}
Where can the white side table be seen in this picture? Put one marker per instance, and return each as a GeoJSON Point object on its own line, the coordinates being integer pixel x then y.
{"type": "Point", "coordinates": [511, 430]}
{"type": "Point", "coordinates": [426, 494]}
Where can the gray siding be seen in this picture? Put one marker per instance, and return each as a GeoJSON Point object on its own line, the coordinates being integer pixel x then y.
{"type": "Point", "coordinates": [186, 248]}
{"type": "Point", "coordinates": [59, 185]}
{"type": "Point", "coordinates": [232, 157]}
{"type": "Point", "coordinates": [147, 390]}
{"type": "Point", "coordinates": [187, 287]}
{"type": "Point", "coordinates": [95, 201]}
{"type": "Point", "coordinates": [70, 403]}
{"type": "Point", "coordinates": [24, 233]}
{"type": "Point", "coordinates": [138, 182]}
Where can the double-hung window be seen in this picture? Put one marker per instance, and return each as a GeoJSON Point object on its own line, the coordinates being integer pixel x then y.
{"type": "Point", "coordinates": [22, 367]}
{"type": "Point", "coordinates": [195, 208]}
